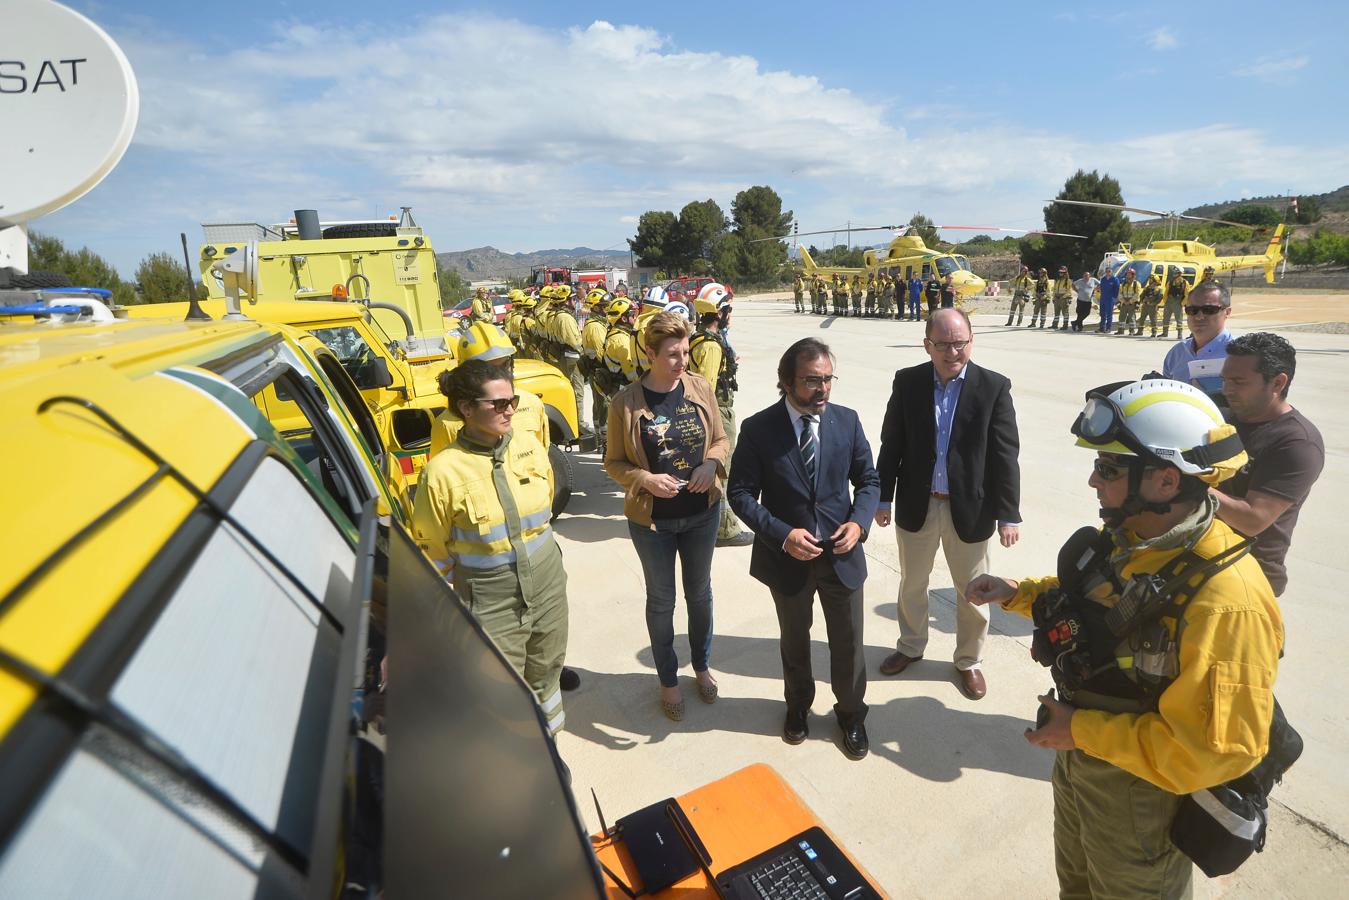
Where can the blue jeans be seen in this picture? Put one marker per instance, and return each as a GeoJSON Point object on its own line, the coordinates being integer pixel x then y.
{"type": "Point", "coordinates": [693, 540]}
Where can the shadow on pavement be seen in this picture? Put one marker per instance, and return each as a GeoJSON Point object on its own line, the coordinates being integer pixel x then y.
{"type": "Point", "coordinates": [919, 734]}
{"type": "Point", "coordinates": [630, 702]}
{"type": "Point", "coordinates": [942, 615]}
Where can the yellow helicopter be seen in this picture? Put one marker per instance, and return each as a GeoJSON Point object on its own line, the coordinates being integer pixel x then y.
{"type": "Point", "coordinates": [1189, 258]}
{"type": "Point", "coordinates": [907, 255]}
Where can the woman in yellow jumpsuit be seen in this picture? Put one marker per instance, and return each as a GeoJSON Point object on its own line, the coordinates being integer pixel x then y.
{"type": "Point", "coordinates": [482, 515]}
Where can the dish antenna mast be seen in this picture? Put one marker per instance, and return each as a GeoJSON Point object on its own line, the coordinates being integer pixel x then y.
{"type": "Point", "coordinates": [71, 105]}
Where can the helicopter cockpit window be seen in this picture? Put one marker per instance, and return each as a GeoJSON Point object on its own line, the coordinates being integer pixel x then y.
{"type": "Point", "coordinates": [1142, 269]}
{"type": "Point", "coordinates": [946, 265]}
{"type": "Point", "coordinates": [963, 263]}
{"type": "Point", "coordinates": [927, 271]}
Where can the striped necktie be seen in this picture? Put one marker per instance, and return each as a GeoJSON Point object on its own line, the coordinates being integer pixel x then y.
{"type": "Point", "coordinates": [808, 446]}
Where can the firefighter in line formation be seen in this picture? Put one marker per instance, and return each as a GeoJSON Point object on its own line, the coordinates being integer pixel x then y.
{"type": "Point", "coordinates": [880, 295]}
{"type": "Point", "coordinates": [1138, 301]}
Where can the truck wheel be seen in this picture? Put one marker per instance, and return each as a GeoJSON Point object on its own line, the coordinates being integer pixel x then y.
{"type": "Point", "coordinates": [35, 280]}
{"type": "Point", "coordinates": [363, 230]}
{"type": "Point", "coordinates": [562, 478]}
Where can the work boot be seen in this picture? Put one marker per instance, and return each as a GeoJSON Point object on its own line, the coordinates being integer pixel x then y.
{"type": "Point", "coordinates": [1009, 321]}
{"type": "Point", "coordinates": [1018, 319]}
{"type": "Point", "coordinates": [1164, 332]}
{"type": "Point", "coordinates": [1055, 326]}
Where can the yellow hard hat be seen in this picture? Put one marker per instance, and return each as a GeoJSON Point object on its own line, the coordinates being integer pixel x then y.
{"type": "Point", "coordinates": [562, 292]}
{"type": "Point", "coordinates": [595, 297]}
{"type": "Point", "coordinates": [528, 301]}
{"type": "Point", "coordinates": [515, 296]}
{"type": "Point", "coordinates": [485, 341]}
{"type": "Point", "coordinates": [617, 309]}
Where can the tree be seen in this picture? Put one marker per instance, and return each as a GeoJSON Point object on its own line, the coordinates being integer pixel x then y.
{"type": "Point", "coordinates": [656, 238]}
{"type": "Point", "coordinates": [727, 255]}
{"type": "Point", "coordinates": [453, 287]}
{"type": "Point", "coordinates": [1308, 210]}
{"type": "Point", "coordinates": [925, 228]}
{"type": "Point", "coordinates": [700, 223]}
{"type": "Point", "coordinates": [760, 207]}
{"type": "Point", "coordinates": [83, 267]}
{"type": "Point", "coordinates": [1253, 214]}
{"type": "Point", "coordinates": [1104, 229]}
{"type": "Point", "coordinates": [160, 279]}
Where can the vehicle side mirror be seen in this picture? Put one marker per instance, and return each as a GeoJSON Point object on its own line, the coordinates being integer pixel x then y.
{"type": "Point", "coordinates": [378, 373]}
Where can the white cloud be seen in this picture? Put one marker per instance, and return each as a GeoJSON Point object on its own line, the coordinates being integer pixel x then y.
{"type": "Point", "coordinates": [1277, 69]}
{"type": "Point", "coordinates": [1163, 39]}
{"type": "Point", "coordinates": [501, 132]}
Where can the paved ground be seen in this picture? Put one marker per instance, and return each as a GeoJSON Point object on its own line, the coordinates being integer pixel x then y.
{"type": "Point", "coordinates": [952, 801]}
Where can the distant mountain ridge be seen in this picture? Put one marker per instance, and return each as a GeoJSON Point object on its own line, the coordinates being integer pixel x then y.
{"type": "Point", "coordinates": [481, 263]}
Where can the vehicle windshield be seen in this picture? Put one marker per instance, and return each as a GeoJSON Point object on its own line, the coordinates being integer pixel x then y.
{"type": "Point", "coordinates": [946, 265]}
{"type": "Point", "coordinates": [963, 263]}
{"type": "Point", "coordinates": [345, 342]}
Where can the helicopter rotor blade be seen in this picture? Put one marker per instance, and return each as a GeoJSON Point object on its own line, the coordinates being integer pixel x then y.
{"type": "Point", "coordinates": [1011, 230]}
{"type": "Point", "coordinates": [898, 228]}
{"type": "Point", "coordinates": [1136, 209]}
{"type": "Point", "coordinates": [1222, 222]}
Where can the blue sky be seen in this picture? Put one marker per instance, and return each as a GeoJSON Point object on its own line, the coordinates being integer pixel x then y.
{"type": "Point", "coordinates": [531, 125]}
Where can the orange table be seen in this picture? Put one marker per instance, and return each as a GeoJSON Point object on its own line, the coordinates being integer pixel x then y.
{"type": "Point", "coordinates": [736, 817]}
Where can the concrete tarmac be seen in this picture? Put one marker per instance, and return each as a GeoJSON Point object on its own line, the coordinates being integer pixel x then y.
{"type": "Point", "coordinates": [952, 801]}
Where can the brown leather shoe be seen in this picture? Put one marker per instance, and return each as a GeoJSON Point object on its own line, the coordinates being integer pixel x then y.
{"type": "Point", "coordinates": [897, 662]}
{"type": "Point", "coordinates": [972, 684]}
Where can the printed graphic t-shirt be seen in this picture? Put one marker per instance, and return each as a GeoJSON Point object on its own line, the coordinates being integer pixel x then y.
{"type": "Point", "coordinates": [673, 439]}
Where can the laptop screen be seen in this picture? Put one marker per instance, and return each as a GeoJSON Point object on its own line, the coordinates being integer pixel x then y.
{"type": "Point", "coordinates": [475, 803]}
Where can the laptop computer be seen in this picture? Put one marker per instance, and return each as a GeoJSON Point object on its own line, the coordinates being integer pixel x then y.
{"type": "Point", "coordinates": [807, 865]}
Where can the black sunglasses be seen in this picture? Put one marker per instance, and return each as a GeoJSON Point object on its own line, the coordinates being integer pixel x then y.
{"type": "Point", "coordinates": [501, 404]}
{"type": "Point", "coordinates": [1211, 309]}
{"type": "Point", "coordinates": [1108, 471]}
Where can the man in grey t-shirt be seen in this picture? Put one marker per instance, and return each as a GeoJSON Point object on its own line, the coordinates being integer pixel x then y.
{"type": "Point", "coordinates": [1286, 450]}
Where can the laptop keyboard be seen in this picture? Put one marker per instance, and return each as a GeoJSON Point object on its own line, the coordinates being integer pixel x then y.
{"type": "Point", "coordinates": [786, 878]}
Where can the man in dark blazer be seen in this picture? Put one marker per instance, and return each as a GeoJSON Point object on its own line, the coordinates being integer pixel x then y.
{"type": "Point", "coordinates": [789, 483]}
{"type": "Point", "coordinates": [949, 450]}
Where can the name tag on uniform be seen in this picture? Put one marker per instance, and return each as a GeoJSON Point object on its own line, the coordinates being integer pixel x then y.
{"type": "Point", "coordinates": [1200, 368]}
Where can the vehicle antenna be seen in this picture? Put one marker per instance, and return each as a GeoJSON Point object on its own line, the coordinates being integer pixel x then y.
{"type": "Point", "coordinates": [194, 310]}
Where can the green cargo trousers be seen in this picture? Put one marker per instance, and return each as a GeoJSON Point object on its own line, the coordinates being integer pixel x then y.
{"type": "Point", "coordinates": [729, 526]}
{"type": "Point", "coordinates": [1173, 310]}
{"type": "Point", "coordinates": [1112, 834]}
{"type": "Point", "coordinates": [572, 369]}
{"type": "Point", "coordinates": [531, 635]}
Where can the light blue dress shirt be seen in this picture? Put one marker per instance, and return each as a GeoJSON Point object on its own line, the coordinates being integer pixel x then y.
{"type": "Point", "coordinates": [1181, 360]}
{"type": "Point", "coordinates": [944, 400]}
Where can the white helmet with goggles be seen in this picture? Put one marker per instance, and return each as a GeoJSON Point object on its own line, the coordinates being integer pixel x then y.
{"type": "Point", "coordinates": [1159, 423]}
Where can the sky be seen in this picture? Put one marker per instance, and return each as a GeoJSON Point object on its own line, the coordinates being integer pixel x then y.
{"type": "Point", "coordinates": [531, 125]}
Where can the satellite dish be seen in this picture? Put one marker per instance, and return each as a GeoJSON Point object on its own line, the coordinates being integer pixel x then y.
{"type": "Point", "coordinates": [70, 108]}
{"type": "Point", "coordinates": [239, 275]}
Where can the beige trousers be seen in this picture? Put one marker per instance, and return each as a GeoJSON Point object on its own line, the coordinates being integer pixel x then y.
{"type": "Point", "coordinates": [917, 551]}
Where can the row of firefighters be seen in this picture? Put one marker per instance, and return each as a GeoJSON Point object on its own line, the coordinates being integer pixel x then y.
{"type": "Point", "coordinates": [879, 295]}
{"type": "Point", "coordinates": [605, 349]}
{"type": "Point", "coordinates": [1138, 301]}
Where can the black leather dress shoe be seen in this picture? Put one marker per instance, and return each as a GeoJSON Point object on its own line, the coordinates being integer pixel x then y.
{"type": "Point", "coordinates": [855, 743]}
{"type": "Point", "coordinates": [795, 729]}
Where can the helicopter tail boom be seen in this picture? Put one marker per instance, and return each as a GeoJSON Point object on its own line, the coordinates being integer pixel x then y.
{"type": "Point", "coordinates": [1273, 253]}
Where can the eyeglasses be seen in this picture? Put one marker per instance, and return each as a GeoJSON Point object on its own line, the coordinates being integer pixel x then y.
{"type": "Point", "coordinates": [501, 404]}
{"type": "Point", "coordinates": [1210, 310]}
{"type": "Point", "coordinates": [1108, 471]}
{"type": "Point", "coordinates": [815, 382]}
{"type": "Point", "coordinates": [947, 346]}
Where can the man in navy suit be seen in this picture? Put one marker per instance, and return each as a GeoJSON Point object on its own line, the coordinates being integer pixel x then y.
{"type": "Point", "coordinates": [789, 483]}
